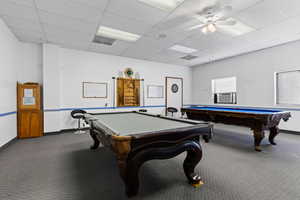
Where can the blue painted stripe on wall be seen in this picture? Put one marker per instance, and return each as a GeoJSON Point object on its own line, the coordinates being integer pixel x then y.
{"type": "Point", "coordinates": [101, 108]}
{"type": "Point", "coordinates": [246, 107]}
{"type": "Point", "coordinates": [7, 113]}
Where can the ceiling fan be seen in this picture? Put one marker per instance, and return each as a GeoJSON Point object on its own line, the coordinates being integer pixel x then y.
{"type": "Point", "coordinates": [216, 17]}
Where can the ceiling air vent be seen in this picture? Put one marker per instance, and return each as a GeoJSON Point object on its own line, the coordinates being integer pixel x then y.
{"type": "Point", "coordinates": [189, 57]}
{"type": "Point", "coordinates": [103, 40]}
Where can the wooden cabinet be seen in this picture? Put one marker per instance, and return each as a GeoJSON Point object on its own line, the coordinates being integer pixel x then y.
{"type": "Point", "coordinates": [128, 92]}
{"type": "Point", "coordinates": [30, 114]}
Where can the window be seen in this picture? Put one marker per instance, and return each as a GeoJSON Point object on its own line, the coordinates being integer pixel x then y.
{"type": "Point", "coordinates": [224, 90]}
{"type": "Point", "coordinates": [288, 88]}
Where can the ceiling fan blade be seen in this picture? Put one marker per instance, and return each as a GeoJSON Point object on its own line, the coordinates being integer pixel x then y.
{"type": "Point", "coordinates": [195, 27]}
{"type": "Point", "coordinates": [226, 22]}
{"type": "Point", "coordinates": [235, 30]}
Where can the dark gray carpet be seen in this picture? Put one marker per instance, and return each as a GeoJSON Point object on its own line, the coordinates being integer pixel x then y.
{"type": "Point", "coordinates": [61, 167]}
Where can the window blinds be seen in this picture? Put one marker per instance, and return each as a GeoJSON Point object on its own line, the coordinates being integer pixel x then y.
{"type": "Point", "coordinates": [224, 85]}
{"type": "Point", "coordinates": [288, 87]}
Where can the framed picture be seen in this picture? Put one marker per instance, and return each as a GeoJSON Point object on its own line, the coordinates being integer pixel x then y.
{"type": "Point", "coordinates": [94, 90]}
{"type": "Point", "coordinates": [155, 91]}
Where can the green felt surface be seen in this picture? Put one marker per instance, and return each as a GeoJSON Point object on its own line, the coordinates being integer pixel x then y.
{"type": "Point", "coordinates": [134, 123]}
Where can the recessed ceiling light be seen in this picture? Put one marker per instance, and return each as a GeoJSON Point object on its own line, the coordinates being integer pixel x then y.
{"type": "Point", "coordinates": [182, 49]}
{"type": "Point", "coordinates": [166, 5]}
{"type": "Point", "coordinates": [117, 34]}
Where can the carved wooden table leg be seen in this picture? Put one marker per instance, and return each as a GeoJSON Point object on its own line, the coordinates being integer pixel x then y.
{"type": "Point", "coordinates": [123, 168]}
{"type": "Point", "coordinates": [194, 155]}
{"type": "Point", "coordinates": [273, 133]}
{"type": "Point", "coordinates": [134, 163]}
{"type": "Point", "coordinates": [95, 139]}
{"type": "Point", "coordinates": [258, 136]}
{"type": "Point", "coordinates": [132, 178]}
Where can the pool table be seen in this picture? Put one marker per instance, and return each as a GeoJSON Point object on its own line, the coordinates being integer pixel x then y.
{"type": "Point", "coordinates": [256, 119]}
{"type": "Point", "coordinates": [136, 137]}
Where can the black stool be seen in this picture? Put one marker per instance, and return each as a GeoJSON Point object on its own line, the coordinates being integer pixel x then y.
{"type": "Point", "coordinates": [172, 110]}
{"type": "Point", "coordinates": [78, 114]}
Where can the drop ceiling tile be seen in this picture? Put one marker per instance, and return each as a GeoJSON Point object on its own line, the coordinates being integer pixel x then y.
{"type": "Point", "coordinates": [170, 36]}
{"type": "Point", "coordinates": [58, 35]}
{"type": "Point", "coordinates": [116, 49]}
{"type": "Point", "coordinates": [172, 54]}
{"type": "Point", "coordinates": [61, 21]}
{"type": "Point", "coordinates": [145, 46]}
{"type": "Point", "coordinates": [29, 36]}
{"type": "Point", "coordinates": [8, 8]}
{"type": "Point", "coordinates": [283, 29]}
{"type": "Point", "coordinates": [136, 10]}
{"type": "Point", "coordinates": [176, 23]}
{"type": "Point", "coordinates": [124, 24]}
{"type": "Point", "coordinates": [191, 7]}
{"type": "Point", "coordinates": [99, 4]}
{"type": "Point", "coordinates": [22, 2]}
{"type": "Point", "coordinates": [261, 15]}
{"type": "Point", "coordinates": [23, 24]}
{"type": "Point", "coordinates": [71, 9]}
{"type": "Point", "coordinates": [203, 42]}
{"type": "Point", "coordinates": [161, 59]}
{"type": "Point", "coordinates": [287, 8]}
{"type": "Point", "coordinates": [200, 60]}
{"type": "Point", "coordinates": [238, 5]}
{"type": "Point", "coordinates": [283, 40]}
{"type": "Point", "coordinates": [74, 45]}
{"type": "Point", "coordinates": [138, 52]}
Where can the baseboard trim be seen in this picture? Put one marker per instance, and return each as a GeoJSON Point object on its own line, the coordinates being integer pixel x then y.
{"type": "Point", "coordinates": [290, 132]}
{"type": "Point", "coordinates": [63, 131]}
{"type": "Point", "coordinates": [12, 141]}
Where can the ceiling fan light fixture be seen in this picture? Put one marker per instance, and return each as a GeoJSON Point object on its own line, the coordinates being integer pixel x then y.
{"type": "Point", "coordinates": [204, 30]}
{"type": "Point", "coordinates": [212, 28]}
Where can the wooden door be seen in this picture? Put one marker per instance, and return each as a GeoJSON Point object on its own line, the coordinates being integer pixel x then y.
{"type": "Point", "coordinates": [30, 114]}
{"type": "Point", "coordinates": [30, 124]}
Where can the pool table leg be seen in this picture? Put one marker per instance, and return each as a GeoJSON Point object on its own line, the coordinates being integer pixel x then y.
{"type": "Point", "coordinates": [273, 133]}
{"type": "Point", "coordinates": [95, 139]}
{"type": "Point", "coordinates": [130, 169]}
{"type": "Point", "coordinates": [193, 157]}
{"type": "Point", "coordinates": [122, 164]}
{"type": "Point", "coordinates": [258, 137]}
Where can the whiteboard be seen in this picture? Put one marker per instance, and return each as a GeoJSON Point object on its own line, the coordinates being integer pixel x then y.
{"type": "Point", "coordinates": [155, 91]}
{"type": "Point", "coordinates": [94, 90]}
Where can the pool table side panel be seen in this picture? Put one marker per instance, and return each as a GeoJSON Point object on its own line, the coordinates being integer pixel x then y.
{"type": "Point", "coordinates": [170, 137]}
{"type": "Point", "coordinates": [258, 123]}
{"type": "Point", "coordinates": [235, 118]}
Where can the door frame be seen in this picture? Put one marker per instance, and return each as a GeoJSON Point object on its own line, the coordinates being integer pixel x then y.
{"type": "Point", "coordinates": [166, 90]}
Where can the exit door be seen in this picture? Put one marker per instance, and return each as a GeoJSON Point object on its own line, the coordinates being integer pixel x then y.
{"type": "Point", "coordinates": [174, 94]}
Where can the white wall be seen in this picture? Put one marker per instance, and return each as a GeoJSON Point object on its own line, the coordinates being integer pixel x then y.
{"type": "Point", "coordinates": [18, 62]}
{"type": "Point", "coordinates": [30, 68]}
{"type": "Point", "coordinates": [71, 67]}
{"type": "Point", "coordinates": [9, 52]}
{"type": "Point", "coordinates": [255, 78]}
{"type": "Point", "coordinates": [51, 87]}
